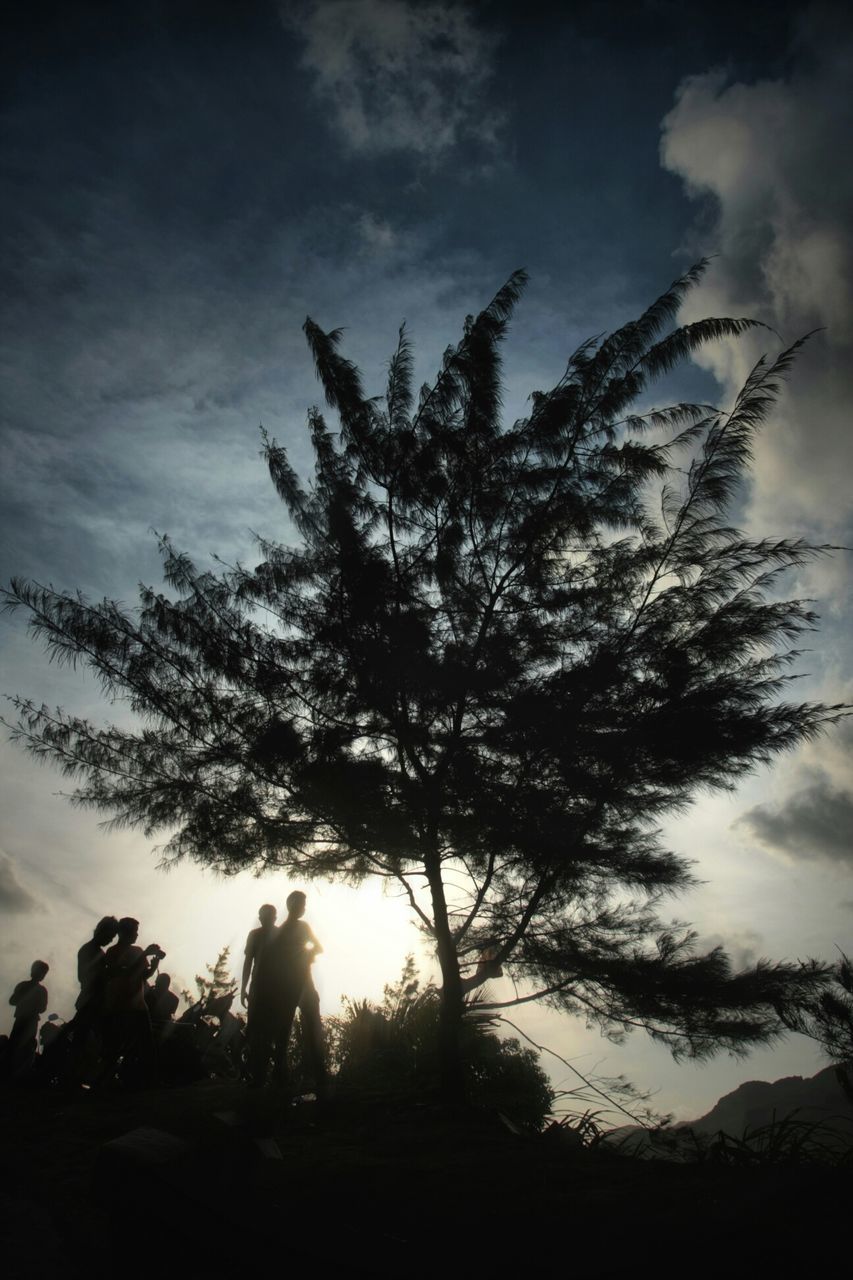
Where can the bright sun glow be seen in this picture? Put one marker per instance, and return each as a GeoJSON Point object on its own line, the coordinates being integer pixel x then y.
{"type": "Point", "coordinates": [365, 933]}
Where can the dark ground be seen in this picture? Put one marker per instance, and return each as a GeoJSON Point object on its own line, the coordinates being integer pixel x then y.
{"type": "Point", "coordinates": [210, 1179]}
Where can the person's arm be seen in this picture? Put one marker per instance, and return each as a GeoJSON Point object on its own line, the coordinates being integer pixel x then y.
{"type": "Point", "coordinates": [247, 969]}
{"type": "Point", "coordinates": [312, 946]}
{"type": "Point", "coordinates": [151, 965]}
{"type": "Point", "coordinates": [134, 964]}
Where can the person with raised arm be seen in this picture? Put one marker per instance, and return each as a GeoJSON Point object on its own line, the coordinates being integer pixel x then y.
{"type": "Point", "coordinates": [127, 1024]}
{"type": "Point", "coordinates": [292, 953]}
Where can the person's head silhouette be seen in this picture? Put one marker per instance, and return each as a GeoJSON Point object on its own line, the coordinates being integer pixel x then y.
{"type": "Point", "coordinates": [127, 929]}
{"type": "Point", "coordinates": [296, 904]}
{"type": "Point", "coordinates": [267, 915]}
{"type": "Point", "coordinates": [105, 930]}
{"type": "Point", "coordinates": [38, 969]}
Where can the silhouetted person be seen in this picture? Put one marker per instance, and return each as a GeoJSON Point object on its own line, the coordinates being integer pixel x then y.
{"type": "Point", "coordinates": [90, 966]}
{"type": "Point", "coordinates": [256, 993]}
{"type": "Point", "coordinates": [51, 1033]}
{"type": "Point", "coordinates": [70, 1050]}
{"type": "Point", "coordinates": [162, 1005]}
{"type": "Point", "coordinates": [30, 1001]}
{"type": "Point", "coordinates": [127, 1025]}
{"type": "Point", "coordinates": [256, 943]}
{"type": "Point", "coordinates": [228, 1039]}
{"type": "Point", "coordinates": [292, 952]}
{"type": "Point", "coordinates": [86, 1027]}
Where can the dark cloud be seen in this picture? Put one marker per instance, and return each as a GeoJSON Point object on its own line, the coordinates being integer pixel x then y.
{"type": "Point", "coordinates": [14, 898]}
{"type": "Point", "coordinates": [398, 77]}
{"type": "Point", "coordinates": [816, 822]}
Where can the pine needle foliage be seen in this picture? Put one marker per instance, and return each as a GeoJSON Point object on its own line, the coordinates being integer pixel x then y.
{"type": "Point", "coordinates": [828, 1019]}
{"type": "Point", "coordinates": [496, 656]}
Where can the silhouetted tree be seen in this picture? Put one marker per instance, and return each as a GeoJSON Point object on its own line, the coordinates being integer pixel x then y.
{"type": "Point", "coordinates": [217, 986]}
{"type": "Point", "coordinates": [487, 667]}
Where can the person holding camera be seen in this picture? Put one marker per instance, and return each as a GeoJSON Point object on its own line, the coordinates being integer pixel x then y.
{"type": "Point", "coordinates": [127, 1024]}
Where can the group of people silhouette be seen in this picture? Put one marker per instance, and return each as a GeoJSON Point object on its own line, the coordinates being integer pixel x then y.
{"type": "Point", "coordinates": [125, 1011]}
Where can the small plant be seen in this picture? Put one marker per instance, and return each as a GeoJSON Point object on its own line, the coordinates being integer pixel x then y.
{"type": "Point", "coordinates": [216, 988]}
{"type": "Point", "coordinates": [581, 1130]}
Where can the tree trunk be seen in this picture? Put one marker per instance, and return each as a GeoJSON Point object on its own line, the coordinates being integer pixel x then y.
{"type": "Point", "coordinates": [450, 1016]}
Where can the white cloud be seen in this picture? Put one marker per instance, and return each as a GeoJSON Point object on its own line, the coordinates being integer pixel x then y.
{"type": "Point", "coordinates": [14, 897]}
{"type": "Point", "coordinates": [766, 164]}
{"type": "Point", "coordinates": [398, 76]}
{"type": "Point", "coordinates": [772, 157]}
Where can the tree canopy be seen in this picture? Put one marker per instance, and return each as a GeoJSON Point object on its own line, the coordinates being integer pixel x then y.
{"type": "Point", "coordinates": [492, 659]}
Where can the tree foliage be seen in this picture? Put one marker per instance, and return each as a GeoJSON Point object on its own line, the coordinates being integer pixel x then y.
{"type": "Point", "coordinates": [491, 660]}
{"type": "Point", "coordinates": [828, 1018]}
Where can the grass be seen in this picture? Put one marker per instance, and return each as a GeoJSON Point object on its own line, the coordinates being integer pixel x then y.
{"type": "Point", "coordinates": [789, 1142]}
{"type": "Point", "coordinates": [391, 1187]}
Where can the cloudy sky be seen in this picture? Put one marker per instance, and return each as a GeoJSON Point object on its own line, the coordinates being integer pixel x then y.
{"type": "Point", "coordinates": [183, 182]}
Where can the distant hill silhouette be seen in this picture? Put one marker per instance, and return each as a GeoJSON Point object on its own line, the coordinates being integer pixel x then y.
{"type": "Point", "coordinates": [758, 1102]}
{"type": "Point", "coordinates": [817, 1099]}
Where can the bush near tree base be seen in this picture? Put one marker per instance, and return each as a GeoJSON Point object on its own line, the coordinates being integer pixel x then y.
{"type": "Point", "coordinates": [393, 1049]}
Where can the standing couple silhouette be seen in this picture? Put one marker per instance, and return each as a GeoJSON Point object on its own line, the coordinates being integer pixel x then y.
{"type": "Point", "coordinates": [276, 982]}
